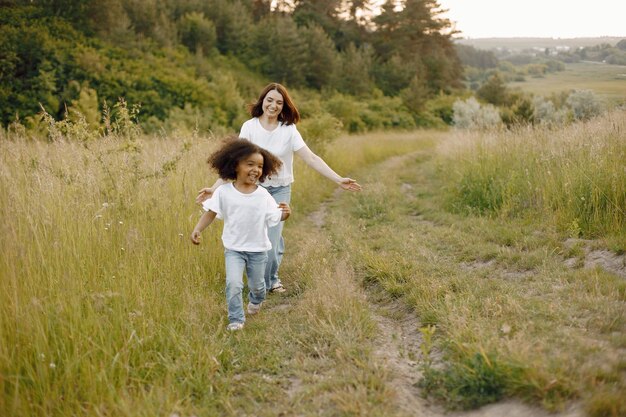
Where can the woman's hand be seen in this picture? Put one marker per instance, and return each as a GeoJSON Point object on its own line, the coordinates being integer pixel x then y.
{"type": "Point", "coordinates": [284, 207]}
{"type": "Point", "coordinates": [204, 194]}
{"type": "Point", "coordinates": [349, 184]}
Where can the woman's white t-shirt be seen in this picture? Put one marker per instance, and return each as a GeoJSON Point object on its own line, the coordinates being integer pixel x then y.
{"type": "Point", "coordinates": [282, 142]}
{"type": "Point", "coordinates": [246, 217]}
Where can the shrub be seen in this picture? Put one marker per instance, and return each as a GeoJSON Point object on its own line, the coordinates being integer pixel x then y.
{"type": "Point", "coordinates": [319, 130]}
{"type": "Point", "coordinates": [584, 104]}
{"type": "Point", "coordinates": [469, 114]}
{"type": "Point", "coordinates": [546, 113]}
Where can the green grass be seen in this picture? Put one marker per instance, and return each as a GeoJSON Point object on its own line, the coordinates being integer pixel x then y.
{"type": "Point", "coordinates": [107, 309]}
{"type": "Point", "coordinates": [607, 81]}
{"type": "Point", "coordinates": [512, 319]}
{"type": "Point", "coordinates": [574, 175]}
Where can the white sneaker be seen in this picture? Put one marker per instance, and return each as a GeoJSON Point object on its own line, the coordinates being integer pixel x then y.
{"type": "Point", "coordinates": [254, 308]}
{"type": "Point", "coordinates": [233, 327]}
{"type": "Point", "coordinates": [277, 288]}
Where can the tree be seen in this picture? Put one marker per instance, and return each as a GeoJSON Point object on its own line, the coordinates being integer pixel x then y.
{"type": "Point", "coordinates": [493, 91]}
{"type": "Point", "coordinates": [418, 36]}
{"type": "Point", "coordinates": [477, 58]}
{"type": "Point", "coordinates": [278, 50]}
{"type": "Point", "coordinates": [354, 77]}
{"type": "Point", "coordinates": [415, 95]}
{"type": "Point", "coordinates": [394, 74]}
{"type": "Point", "coordinates": [322, 58]}
{"type": "Point", "coordinates": [197, 33]}
{"type": "Point", "coordinates": [233, 24]}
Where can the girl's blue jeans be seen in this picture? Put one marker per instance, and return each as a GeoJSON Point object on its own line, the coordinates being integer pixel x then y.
{"type": "Point", "coordinates": [275, 255]}
{"type": "Point", "coordinates": [254, 265]}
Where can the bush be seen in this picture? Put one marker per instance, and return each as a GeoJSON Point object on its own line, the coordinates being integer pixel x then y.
{"type": "Point", "coordinates": [469, 114]}
{"type": "Point", "coordinates": [320, 130]}
{"type": "Point", "coordinates": [546, 113]}
{"type": "Point", "coordinates": [584, 104]}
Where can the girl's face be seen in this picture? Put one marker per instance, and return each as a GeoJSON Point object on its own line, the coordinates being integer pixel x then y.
{"type": "Point", "coordinates": [272, 104]}
{"type": "Point", "coordinates": [249, 169]}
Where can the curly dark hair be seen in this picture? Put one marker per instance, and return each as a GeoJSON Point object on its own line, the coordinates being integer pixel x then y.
{"type": "Point", "coordinates": [289, 115]}
{"type": "Point", "coordinates": [233, 150]}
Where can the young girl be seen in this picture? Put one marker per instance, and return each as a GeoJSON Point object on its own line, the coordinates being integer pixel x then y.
{"type": "Point", "coordinates": [247, 210]}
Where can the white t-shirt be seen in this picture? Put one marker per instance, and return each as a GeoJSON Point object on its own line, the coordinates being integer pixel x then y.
{"type": "Point", "coordinates": [282, 142]}
{"type": "Point", "coordinates": [246, 217]}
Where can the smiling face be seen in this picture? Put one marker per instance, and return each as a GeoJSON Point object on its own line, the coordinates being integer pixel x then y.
{"type": "Point", "coordinates": [249, 169]}
{"type": "Point", "coordinates": [272, 104]}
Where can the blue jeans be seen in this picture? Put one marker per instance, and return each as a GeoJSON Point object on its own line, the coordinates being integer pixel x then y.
{"type": "Point", "coordinates": [254, 264]}
{"type": "Point", "coordinates": [275, 255]}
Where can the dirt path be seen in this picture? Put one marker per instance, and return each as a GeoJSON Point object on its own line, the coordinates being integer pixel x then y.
{"type": "Point", "coordinates": [397, 346]}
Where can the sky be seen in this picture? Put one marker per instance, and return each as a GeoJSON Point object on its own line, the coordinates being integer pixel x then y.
{"type": "Point", "coordinates": [537, 18]}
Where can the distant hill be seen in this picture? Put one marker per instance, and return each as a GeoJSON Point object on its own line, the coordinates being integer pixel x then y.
{"type": "Point", "coordinates": [526, 43]}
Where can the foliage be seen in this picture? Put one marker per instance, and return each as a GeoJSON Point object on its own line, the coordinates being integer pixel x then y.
{"type": "Point", "coordinates": [574, 174]}
{"type": "Point", "coordinates": [476, 58]}
{"type": "Point", "coordinates": [545, 112]}
{"type": "Point", "coordinates": [165, 56]}
{"type": "Point", "coordinates": [584, 104]}
{"type": "Point", "coordinates": [494, 91]}
{"type": "Point", "coordinates": [470, 114]}
{"type": "Point", "coordinates": [470, 383]}
{"type": "Point", "coordinates": [197, 33]}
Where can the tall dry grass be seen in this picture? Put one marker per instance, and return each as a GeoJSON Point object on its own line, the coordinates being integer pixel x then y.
{"type": "Point", "coordinates": [575, 175]}
{"type": "Point", "coordinates": [105, 306]}
{"type": "Point", "coordinates": [101, 294]}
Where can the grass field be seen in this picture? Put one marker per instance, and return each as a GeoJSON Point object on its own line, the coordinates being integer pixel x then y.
{"type": "Point", "coordinates": [106, 308]}
{"type": "Point", "coordinates": [607, 81]}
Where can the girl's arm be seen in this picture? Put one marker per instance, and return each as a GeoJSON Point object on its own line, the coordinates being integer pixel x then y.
{"type": "Point", "coordinates": [205, 193]}
{"type": "Point", "coordinates": [206, 219]}
{"type": "Point", "coordinates": [322, 167]}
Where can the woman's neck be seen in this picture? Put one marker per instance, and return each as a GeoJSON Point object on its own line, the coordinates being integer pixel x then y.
{"type": "Point", "coordinates": [268, 123]}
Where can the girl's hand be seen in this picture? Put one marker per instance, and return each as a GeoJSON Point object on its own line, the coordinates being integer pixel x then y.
{"type": "Point", "coordinates": [195, 237]}
{"type": "Point", "coordinates": [349, 184]}
{"type": "Point", "coordinates": [284, 207]}
{"type": "Point", "coordinates": [204, 194]}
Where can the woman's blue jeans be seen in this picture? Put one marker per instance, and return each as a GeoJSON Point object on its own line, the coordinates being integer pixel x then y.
{"type": "Point", "coordinates": [275, 255]}
{"type": "Point", "coordinates": [254, 265]}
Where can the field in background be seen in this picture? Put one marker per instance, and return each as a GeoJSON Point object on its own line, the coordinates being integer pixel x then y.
{"type": "Point", "coordinates": [607, 81]}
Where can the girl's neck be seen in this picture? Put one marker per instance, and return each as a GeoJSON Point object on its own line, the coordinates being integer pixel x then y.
{"type": "Point", "coordinates": [244, 187]}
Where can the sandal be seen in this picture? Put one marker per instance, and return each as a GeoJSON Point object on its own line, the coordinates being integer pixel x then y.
{"type": "Point", "coordinates": [277, 288]}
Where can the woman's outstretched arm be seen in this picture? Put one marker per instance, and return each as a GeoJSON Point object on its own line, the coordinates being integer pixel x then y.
{"type": "Point", "coordinates": [322, 167]}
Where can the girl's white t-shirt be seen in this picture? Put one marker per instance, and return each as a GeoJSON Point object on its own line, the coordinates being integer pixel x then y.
{"type": "Point", "coordinates": [282, 142]}
{"type": "Point", "coordinates": [246, 217]}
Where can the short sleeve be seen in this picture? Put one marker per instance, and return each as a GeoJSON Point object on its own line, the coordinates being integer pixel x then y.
{"type": "Point", "coordinates": [245, 131]}
{"type": "Point", "coordinates": [297, 142]}
{"type": "Point", "coordinates": [213, 203]}
{"type": "Point", "coordinates": [273, 214]}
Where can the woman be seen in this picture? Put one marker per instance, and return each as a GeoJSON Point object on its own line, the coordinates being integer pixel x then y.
{"type": "Point", "coordinates": [273, 127]}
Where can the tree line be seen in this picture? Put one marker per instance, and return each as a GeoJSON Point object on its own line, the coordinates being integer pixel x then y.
{"type": "Point", "coordinates": [205, 56]}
